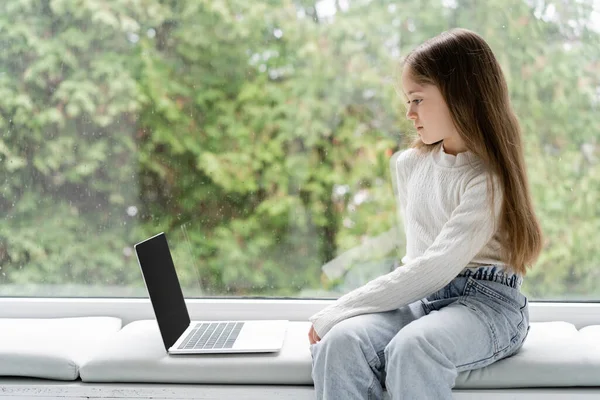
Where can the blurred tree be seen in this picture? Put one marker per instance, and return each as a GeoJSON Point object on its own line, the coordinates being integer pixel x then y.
{"type": "Point", "coordinates": [258, 136]}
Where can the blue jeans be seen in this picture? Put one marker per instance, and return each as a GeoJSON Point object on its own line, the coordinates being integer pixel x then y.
{"type": "Point", "coordinates": [417, 351]}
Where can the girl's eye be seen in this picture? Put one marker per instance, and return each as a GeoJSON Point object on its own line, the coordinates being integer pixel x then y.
{"type": "Point", "coordinates": [416, 101]}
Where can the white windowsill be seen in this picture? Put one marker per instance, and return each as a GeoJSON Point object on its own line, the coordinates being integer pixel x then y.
{"type": "Point", "coordinates": [23, 389]}
{"type": "Point", "coordinates": [579, 314]}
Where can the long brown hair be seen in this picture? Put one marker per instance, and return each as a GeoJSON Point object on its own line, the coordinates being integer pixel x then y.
{"type": "Point", "coordinates": [463, 67]}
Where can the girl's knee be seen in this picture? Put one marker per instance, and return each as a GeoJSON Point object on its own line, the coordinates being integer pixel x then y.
{"type": "Point", "coordinates": [346, 343]}
{"type": "Point", "coordinates": [337, 349]}
{"type": "Point", "coordinates": [404, 346]}
{"type": "Point", "coordinates": [340, 336]}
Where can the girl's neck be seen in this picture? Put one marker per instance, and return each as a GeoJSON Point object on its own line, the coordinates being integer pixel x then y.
{"type": "Point", "coordinates": [453, 146]}
{"type": "Point", "coordinates": [444, 159]}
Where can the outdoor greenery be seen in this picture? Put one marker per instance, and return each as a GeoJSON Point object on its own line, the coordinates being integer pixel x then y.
{"type": "Point", "coordinates": [258, 134]}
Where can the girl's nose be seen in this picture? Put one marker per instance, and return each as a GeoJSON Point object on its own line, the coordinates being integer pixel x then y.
{"type": "Point", "coordinates": [411, 114]}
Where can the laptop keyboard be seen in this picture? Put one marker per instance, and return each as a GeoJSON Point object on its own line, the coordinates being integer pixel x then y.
{"type": "Point", "coordinates": [212, 335]}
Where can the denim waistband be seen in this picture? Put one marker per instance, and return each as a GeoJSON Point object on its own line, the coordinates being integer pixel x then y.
{"type": "Point", "coordinates": [493, 273]}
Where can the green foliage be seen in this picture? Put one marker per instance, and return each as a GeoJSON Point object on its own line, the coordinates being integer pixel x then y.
{"type": "Point", "coordinates": [258, 136]}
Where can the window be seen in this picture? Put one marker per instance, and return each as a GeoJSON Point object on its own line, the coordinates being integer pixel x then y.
{"type": "Point", "coordinates": [257, 135]}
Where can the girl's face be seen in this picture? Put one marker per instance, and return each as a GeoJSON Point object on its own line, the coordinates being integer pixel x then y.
{"type": "Point", "coordinates": [430, 114]}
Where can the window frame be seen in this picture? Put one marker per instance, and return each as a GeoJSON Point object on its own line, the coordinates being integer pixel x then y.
{"type": "Point", "coordinates": [579, 314]}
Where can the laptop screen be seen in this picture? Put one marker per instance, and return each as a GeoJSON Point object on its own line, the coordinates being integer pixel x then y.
{"type": "Point", "coordinates": [163, 287]}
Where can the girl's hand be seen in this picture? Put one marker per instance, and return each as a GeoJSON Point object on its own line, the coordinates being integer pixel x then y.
{"type": "Point", "coordinates": [312, 336]}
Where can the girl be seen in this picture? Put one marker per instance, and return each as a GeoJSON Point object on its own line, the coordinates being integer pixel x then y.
{"type": "Point", "coordinates": [471, 232]}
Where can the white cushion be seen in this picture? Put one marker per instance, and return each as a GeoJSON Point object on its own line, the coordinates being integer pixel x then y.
{"type": "Point", "coordinates": [554, 354]}
{"type": "Point", "coordinates": [137, 354]}
{"type": "Point", "coordinates": [592, 335]}
{"type": "Point", "coordinates": [51, 348]}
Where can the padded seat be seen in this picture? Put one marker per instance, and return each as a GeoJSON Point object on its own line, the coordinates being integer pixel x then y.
{"type": "Point", "coordinates": [555, 354]}
{"type": "Point", "coordinates": [51, 348]}
{"type": "Point", "coordinates": [137, 354]}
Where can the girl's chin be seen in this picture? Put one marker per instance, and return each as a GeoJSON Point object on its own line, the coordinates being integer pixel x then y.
{"type": "Point", "coordinates": [428, 140]}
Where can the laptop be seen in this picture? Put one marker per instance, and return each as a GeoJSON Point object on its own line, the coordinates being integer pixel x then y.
{"type": "Point", "coordinates": [182, 336]}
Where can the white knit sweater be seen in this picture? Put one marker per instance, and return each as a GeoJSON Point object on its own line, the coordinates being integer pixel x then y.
{"type": "Point", "coordinates": [449, 227]}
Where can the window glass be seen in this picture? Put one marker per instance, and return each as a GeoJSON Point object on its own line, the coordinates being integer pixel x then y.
{"type": "Point", "coordinates": [258, 135]}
